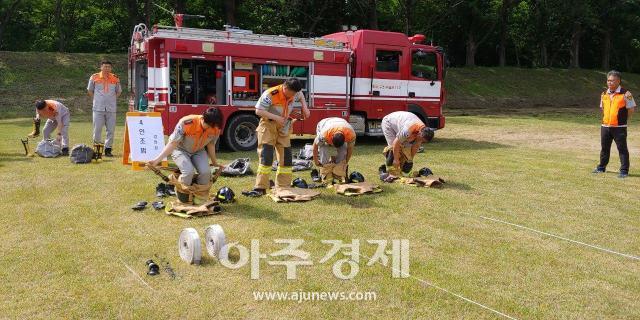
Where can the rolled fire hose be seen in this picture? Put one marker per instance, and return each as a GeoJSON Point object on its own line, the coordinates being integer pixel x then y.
{"type": "Point", "coordinates": [215, 241]}
{"type": "Point", "coordinates": [189, 246]}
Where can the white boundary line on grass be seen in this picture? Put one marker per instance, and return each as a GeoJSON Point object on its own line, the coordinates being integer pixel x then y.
{"type": "Point", "coordinates": [446, 291]}
{"type": "Point", "coordinates": [135, 274]}
{"type": "Point", "coordinates": [630, 256]}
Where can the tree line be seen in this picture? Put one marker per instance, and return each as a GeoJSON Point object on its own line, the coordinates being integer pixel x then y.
{"type": "Point", "coordinates": [596, 34]}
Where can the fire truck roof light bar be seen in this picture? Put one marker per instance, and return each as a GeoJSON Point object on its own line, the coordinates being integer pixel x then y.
{"type": "Point", "coordinates": [249, 38]}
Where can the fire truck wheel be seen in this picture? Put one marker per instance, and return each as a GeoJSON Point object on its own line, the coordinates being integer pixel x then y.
{"type": "Point", "coordinates": [240, 132]}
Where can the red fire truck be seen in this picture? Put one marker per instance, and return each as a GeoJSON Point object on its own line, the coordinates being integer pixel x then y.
{"type": "Point", "coordinates": [358, 75]}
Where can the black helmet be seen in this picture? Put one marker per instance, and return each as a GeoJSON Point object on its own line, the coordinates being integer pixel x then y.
{"type": "Point", "coordinates": [407, 166]}
{"type": "Point", "coordinates": [299, 183]}
{"type": "Point", "coordinates": [356, 177]}
{"type": "Point", "coordinates": [425, 172]}
{"type": "Point", "coordinates": [225, 195]}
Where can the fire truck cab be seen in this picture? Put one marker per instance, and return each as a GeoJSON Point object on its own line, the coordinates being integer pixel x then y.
{"type": "Point", "coordinates": [357, 75]}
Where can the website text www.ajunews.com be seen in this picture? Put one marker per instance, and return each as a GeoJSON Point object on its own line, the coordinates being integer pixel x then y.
{"type": "Point", "coordinates": [302, 296]}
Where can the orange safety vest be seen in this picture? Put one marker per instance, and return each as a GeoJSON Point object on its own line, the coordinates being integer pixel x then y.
{"type": "Point", "coordinates": [614, 108]}
{"type": "Point", "coordinates": [50, 111]}
{"type": "Point", "coordinates": [279, 99]}
{"type": "Point", "coordinates": [195, 132]}
{"type": "Point", "coordinates": [349, 135]}
{"type": "Point", "coordinates": [105, 81]}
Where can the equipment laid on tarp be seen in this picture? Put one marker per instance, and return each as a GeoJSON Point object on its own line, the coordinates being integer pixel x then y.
{"type": "Point", "coordinates": [48, 148]}
{"type": "Point", "coordinates": [189, 246]}
{"type": "Point", "coordinates": [429, 181]}
{"type": "Point", "coordinates": [188, 211]}
{"type": "Point", "coordinates": [356, 189]}
{"type": "Point", "coordinates": [81, 153]}
{"type": "Point", "coordinates": [237, 167]}
{"type": "Point", "coordinates": [293, 194]}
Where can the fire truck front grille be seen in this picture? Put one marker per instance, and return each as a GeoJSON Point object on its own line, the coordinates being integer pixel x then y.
{"type": "Point", "coordinates": [358, 123]}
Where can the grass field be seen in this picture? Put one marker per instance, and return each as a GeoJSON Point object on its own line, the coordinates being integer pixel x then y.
{"type": "Point", "coordinates": [68, 237]}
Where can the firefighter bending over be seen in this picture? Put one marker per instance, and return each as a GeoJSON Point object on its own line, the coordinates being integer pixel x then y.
{"type": "Point", "coordinates": [405, 133]}
{"type": "Point", "coordinates": [58, 117]}
{"type": "Point", "coordinates": [338, 134]}
{"type": "Point", "coordinates": [276, 116]}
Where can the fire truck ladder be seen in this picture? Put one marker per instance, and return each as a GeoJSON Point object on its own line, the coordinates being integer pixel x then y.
{"type": "Point", "coordinates": [245, 37]}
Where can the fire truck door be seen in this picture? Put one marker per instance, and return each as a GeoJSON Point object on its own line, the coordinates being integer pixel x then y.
{"type": "Point", "coordinates": [424, 86]}
{"type": "Point", "coordinates": [388, 89]}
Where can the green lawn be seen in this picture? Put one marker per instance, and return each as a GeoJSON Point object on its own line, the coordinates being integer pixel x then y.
{"type": "Point", "coordinates": [68, 235]}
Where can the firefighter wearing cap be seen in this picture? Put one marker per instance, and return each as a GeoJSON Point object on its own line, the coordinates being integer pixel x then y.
{"type": "Point", "coordinates": [405, 133]}
{"type": "Point", "coordinates": [617, 105]}
{"type": "Point", "coordinates": [58, 117]}
{"type": "Point", "coordinates": [192, 144]}
{"type": "Point", "coordinates": [276, 116]}
{"type": "Point", "coordinates": [333, 133]}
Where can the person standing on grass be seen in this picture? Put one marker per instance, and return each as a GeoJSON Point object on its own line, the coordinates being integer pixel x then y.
{"type": "Point", "coordinates": [276, 114]}
{"type": "Point", "coordinates": [617, 105]}
{"type": "Point", "coordinates": [104, 88]}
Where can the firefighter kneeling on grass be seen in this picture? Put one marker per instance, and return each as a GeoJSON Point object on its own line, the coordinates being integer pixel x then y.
{"type": "Point", "coordinates": [405, 133]}
{"type": "Point", "coordinates": [276, 113]}
{"type": "Point", "coordinates": [191, 145]}
{"type": "Point", "coordinates": [333, 133]}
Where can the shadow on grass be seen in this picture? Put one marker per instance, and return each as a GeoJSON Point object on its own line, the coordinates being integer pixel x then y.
{"type": "Point", "coordinates": [449, 144]}
{"type": "Point", "coordinates": [438, 144]}
{"type": "Point", "coordinates": [247, 211]}
{"type": "Point", "coordinates": [457, 186]}
{"type": "Point", "coordinates": [582, 114]}
{"type": "Point", "coordinates": [13, 157]}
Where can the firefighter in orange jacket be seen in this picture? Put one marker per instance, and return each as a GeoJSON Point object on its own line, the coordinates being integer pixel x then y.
{"type": "Point", "coordinates": [192, 144]}
{"type": "Point", "coordinates": [617, 105]}
{"type": "Point", "coordinates": [276, 116]}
